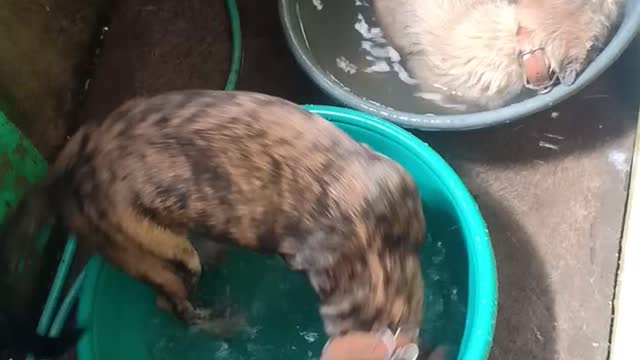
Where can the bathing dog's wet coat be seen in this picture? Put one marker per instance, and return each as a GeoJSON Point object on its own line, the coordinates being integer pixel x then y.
{"type": "Point", "coordinates": [245, 169]}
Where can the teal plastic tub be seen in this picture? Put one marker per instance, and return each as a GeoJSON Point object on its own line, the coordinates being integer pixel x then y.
{"type": "Point", "coordinates": [458, 265]}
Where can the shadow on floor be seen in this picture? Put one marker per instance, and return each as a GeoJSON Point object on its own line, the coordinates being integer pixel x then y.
{"type": "Point", "coordinates": [528, 333]}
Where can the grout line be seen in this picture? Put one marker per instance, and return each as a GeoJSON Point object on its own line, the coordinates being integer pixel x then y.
{"type": "Point", "coordinates": [626, 317]}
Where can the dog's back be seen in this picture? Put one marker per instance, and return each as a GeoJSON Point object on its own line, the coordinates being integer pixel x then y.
{"type": "Point", "coordinates": [204, 161]}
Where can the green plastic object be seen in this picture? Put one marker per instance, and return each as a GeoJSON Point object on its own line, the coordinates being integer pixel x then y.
{"type": "Point", "coordinates": [458, 265]}
{"type": "Point", "coordinates": [20, 263]}
{"type": "Point", "coordinates": [20, 165]}
{"type": "Point", "coordinates": [236, 45]}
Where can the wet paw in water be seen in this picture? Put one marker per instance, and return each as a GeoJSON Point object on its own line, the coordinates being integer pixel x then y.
{"type": "Point", "coordinates": [225, 321]}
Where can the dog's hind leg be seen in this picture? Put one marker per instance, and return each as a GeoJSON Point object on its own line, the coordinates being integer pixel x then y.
{"type": "Point", "coordinates": [173, 267]}
{"type": "Point", "coordinates": [164, 243]}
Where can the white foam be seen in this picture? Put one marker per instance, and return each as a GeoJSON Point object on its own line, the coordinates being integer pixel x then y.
{"type": "Point", "coordinates": [345, 65]}
{"type": "Point", "coordinates": [368, 32]}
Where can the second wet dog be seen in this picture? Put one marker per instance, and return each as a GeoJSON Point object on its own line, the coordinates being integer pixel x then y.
{"type": "Point", "coordinates": [485, 52]}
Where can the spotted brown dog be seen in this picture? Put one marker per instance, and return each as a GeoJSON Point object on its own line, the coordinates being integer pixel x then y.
{"type": "Point", "coordinates": [250, 170]}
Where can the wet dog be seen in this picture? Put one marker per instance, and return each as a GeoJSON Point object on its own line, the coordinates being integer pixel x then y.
{"type": "Point", "coordinates": [484, 52]}
{"type": "Point", "coordinates": [245, 169]}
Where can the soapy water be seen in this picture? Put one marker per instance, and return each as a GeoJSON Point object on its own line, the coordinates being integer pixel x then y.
{"type": "Point", "coordinates": [350, 46]}
{"type": "Point", "coordinates": [283, 320]}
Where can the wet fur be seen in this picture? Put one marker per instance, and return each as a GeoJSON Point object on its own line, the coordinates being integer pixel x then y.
{"type": "Point", "coordinates": [469, 47]}
{"type": "Point", "coordinates": [245, 169]}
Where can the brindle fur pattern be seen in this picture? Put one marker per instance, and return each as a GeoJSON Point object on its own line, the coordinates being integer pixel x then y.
{"type": "Point", "coordinates": [470, 48]}
{"type": "Point", "coordinates": [255, 171]}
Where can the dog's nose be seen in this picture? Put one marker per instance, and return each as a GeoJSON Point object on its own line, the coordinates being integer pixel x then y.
{"type": "Point", "coordinates": [537, 71]}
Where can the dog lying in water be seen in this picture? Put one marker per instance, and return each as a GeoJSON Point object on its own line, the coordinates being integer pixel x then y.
{"type": "Point", "coordinates": [483, 52]}
{"type": "Point", "coordinates": [245, 169]}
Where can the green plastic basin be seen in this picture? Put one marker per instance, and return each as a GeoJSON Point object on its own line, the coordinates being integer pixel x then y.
{"type": "Point", "coordinates": [458, 265]}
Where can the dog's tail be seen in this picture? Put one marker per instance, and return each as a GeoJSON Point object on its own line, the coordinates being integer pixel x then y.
{"type": "Point", "coordinates": [21, 225]}
{"type": "Point", "coordinates": [34, 211]}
